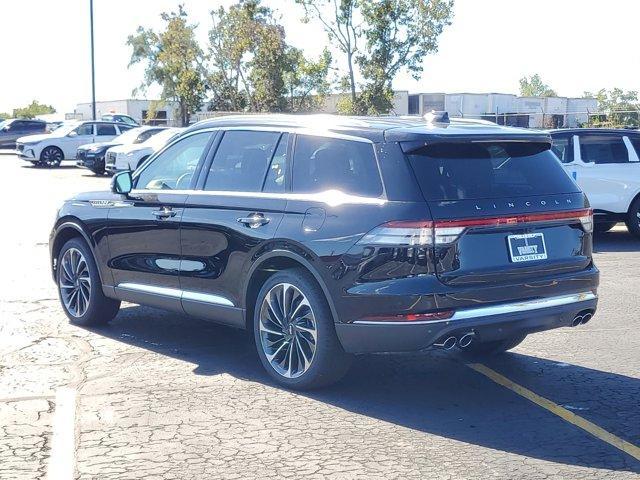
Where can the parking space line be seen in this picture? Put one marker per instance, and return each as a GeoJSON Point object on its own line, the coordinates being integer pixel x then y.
{"type": "Point", "coordinates": [61, 459]}
{"type": "Point", "coordinates": [556, 409]}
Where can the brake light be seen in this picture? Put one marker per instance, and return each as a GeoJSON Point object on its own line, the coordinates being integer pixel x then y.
{"type": "Point", "coordinates": [441, 232]}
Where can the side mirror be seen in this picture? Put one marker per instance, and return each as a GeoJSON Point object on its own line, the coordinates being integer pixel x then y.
{"type": "Point", "coordinates": [72, 134]}
{"type": "Point", "coordinates": [122, 183]}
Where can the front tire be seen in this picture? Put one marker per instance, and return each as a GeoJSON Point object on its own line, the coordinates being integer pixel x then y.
{"type": "Point", "coordinates": [79, 286]}
{"type": "Point", "coordinates": [633, 218]}
{"type": "Point", "coordinates": [294, 332]}
{"type": "Point", "coordinates": [51, 157]}
{"type": "Point", "coordinates": [489, 349]}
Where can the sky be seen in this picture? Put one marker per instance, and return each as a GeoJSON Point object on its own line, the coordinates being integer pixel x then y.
{"type": "Point", "coordinates": [575, 45]}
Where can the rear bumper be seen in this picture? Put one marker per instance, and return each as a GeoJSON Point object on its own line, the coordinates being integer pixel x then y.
{"type": "Point", "coordinates": [493, 322]}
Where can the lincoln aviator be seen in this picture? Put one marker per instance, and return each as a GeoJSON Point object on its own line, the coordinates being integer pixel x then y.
{"type": "Point", "coordinates": [327, 237]}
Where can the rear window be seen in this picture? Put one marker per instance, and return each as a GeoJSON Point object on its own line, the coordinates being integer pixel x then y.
{"type": "Point", "coordinates": [463, 171]}
{"type": "Point", "coordinates": [323, 163]}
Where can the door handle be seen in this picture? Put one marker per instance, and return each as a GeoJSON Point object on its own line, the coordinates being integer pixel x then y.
{"type": "Point", "coordinates": [254, 220]}
{"type": "Point", "coordinates": [164, 212]}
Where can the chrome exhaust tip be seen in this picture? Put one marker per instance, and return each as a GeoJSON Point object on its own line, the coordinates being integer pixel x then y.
{"type": "Point", "coordinates": [577, 321]}
{"type": "Point", "coordinates": [447, 344]}
{"type": "Point", "coordinates": [466, 340]}
{"type": "Point", "coordinates": [586, 317]}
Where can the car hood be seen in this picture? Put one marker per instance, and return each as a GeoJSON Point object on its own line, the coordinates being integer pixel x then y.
{"type": "Point", "coordinates": [34, 138]}
{"type": "Point", "coordinates": [98, 145]}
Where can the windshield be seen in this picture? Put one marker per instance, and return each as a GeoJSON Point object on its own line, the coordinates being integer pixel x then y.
{"type": "Point", "coordinates": [460, 171]}
{"type": "Point", "coordinates": [130, 136]}
{"type": "Point", "coordinates": [66, 128]}
{"type": "Point", "coordinates": [4, 123]}
{"type": "Point", "coordinates": [159, 139]}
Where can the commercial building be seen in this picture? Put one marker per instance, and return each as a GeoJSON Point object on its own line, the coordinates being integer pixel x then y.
{"type": "Point", "coordinates": [138, 109]}
{"type": "Point", "coordinates": [507, 109]}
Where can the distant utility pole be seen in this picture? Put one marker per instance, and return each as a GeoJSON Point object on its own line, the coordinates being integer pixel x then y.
{"type": "Point", "coordinates": [93, 66]}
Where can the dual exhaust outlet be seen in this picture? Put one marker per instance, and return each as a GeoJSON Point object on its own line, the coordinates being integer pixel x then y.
{"type": "Point", "coordinates": [468, 338]}
{"type": "Point", "coordinates": [451, 342]}
{"type": "Point", "coordinates": [582, 318]}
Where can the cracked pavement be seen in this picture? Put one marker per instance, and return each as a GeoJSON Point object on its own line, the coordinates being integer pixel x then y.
{"type": "Point", "coordinates": [171, 397]}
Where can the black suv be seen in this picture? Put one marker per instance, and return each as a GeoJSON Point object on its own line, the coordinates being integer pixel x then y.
{"type": "Point", "coordinates": [331, 236]}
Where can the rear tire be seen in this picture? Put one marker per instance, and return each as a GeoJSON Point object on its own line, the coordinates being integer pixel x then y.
{"type": "Point", "coordinates": [633, 218]}
{"type": "Point", "coordinates": [80, 288]}
{"type": "Point", "coordinates": [489, 349]}
{"type": "Point", "coordinates": [294, 332]}
{"type": "Point", "coordinates": [602, 227]}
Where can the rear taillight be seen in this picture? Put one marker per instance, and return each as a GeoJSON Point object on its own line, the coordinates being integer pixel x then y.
{"type": "Point", "coordinates": [442, 232]}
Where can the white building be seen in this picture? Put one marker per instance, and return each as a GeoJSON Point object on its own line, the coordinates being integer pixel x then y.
{"type": "Point", "coordinates": [138, 109]}
{"type": "Point", "coordinates": [508, 109]}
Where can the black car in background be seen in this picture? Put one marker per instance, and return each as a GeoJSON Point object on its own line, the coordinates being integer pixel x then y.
{"type": "Point", "coordinates": [11, 130]}
{"type": "Point", "coordinates": [332, 236]}
{"type": "Point", "coordinates": [92, 155]}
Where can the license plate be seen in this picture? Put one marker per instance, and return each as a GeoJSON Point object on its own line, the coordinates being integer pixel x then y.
{"type": "Point", "coordinates": [527, 247]}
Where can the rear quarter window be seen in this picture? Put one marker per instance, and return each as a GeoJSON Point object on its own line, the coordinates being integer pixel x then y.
{"type": "Point", "coordinates": [325, 163]}
{"type": "Point", "coordinates": [460, 171]}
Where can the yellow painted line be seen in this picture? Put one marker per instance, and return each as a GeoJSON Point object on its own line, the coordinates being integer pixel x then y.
{"type": "Point", "coordinates": [561, 412]}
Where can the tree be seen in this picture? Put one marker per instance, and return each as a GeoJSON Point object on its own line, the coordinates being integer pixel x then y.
{"type": "Point", "coordinates": [306, 81]}
{"type": "Point", "coordinates": [621, 107]}
{"type": "Point", "coordinates": [338, 20]}
{"type": "Point", "coordinates": [534, 87]}
{"type": "Point", "coordinates": [173, 60]}
{"type": "Point", "coordinates": [31, 110]}
{"type": "Point", "coordinates": [399, 34]}
{"type": "Point", "coordinates": [253, 68]}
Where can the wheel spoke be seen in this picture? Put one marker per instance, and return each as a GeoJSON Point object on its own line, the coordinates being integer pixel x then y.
{"type": "Point", "coordinates": [288, 331]}
{"type": "Point", "coordinates": [75, 282]}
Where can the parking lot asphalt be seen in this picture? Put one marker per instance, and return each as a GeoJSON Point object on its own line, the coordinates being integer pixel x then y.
{"type": "Point", "coordinates": [157, 395]}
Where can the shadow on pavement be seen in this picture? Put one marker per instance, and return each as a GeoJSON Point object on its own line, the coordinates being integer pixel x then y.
{"type": "Point", "coordinates": [433, 392]}
{"type": "Point", "coordinates": [617, 240]}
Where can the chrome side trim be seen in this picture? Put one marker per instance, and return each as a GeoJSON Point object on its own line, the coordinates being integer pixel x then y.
{"type": "Point", "coordinates": [207, 298]}
{"type": "Point", "coordinates": [176, 293]}
{"type": "Point", "coordinates": [333, 198]}
{"type": "Point", "coordinates": [480, 312]}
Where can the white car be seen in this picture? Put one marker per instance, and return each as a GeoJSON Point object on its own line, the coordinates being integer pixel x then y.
{"type": "Point", "coordinates": [605, 164]}
{"type": "Point", "coordinates": [52, 148]}
{"type": "Point", "coordinates": [130, 157]}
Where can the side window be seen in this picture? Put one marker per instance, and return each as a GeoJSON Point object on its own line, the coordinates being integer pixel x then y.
{"type": "Point", "coordinates": [85, 129]}
{"type": "Point", "coordinates": [563, 148]}
{"type": "Point", "coordinates": [635, 141]}
{"type": "Point", "coordinates": [35, 127]}
{"type": "Point", "coordinates": [275, 181]}
{"type": "Point", "coordinates": [17, 126]}
{"type": "Point", "coordinates": [124, 127]}
{"type": "Point", "coordinates": [322, 163]}
{"type": "Point", "coordinates": [241, 161]}
{"type": "Point", "coordinates": [106, 129]}
{"type": "Point", "coordinates": [173, 169]}
{"type": "Point", "coordinates": [603, 149]}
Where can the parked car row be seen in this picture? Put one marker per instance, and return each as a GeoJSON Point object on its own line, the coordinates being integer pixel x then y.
{"type": "Point", "coordinates": [100, 146]}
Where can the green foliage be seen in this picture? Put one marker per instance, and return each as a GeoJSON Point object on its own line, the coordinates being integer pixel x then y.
{"type": "Point", "coordinates": [306, 81]}
{"type": "Point", "coordinates": [30, 111]}
{"type": "Point", "coordinates": [252, 67]}
{"type": "Point", "coordinates": [173, 60]}
{"type": "Point", "coordinates": [338, 18]}
{"type": "Point", "coordinates": [533, 86]}
{"type": "Point", "coordinates": [398, 34]}
{"type": "Point", "coordinates": [621, 107]}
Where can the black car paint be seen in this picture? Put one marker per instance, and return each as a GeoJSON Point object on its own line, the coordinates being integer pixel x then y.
{"type": "Point", "coordinates": [204, 248]}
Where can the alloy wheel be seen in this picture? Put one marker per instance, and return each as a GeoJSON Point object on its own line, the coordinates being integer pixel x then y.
{"type": "Point", "coordinates": [74, 282]}
{"type": "Point", "coordinates": [288, 330]}
{"type": "Point", "coordinates": [51, 157]}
